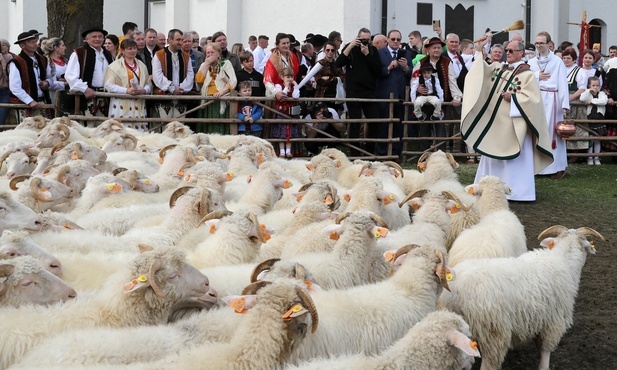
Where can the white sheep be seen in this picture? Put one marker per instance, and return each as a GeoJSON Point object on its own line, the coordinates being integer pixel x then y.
{"type": "Point", "coordinates": [498, 233]}
{"type": "Point", "coordinates": [40, 193]}
{"type": "Point", "coordinates": [18, 243]}
{"type": "Point", "coordinates": [439, 341]}
{"type": "Point", "coordinates": [381, 313]}
{"type": "Point", "coordinates": [15, 215]}
{"type": "Point", "coordinates": [510, 301]}
{"type": "Point", "coordinates": [24, 280]}
{"type": "Point", "coordinates": [143, 293]}
{"type": "Point", "coordinates": [19, 163]}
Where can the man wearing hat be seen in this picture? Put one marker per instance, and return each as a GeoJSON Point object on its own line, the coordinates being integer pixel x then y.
{"type": "Point", "coordinates": [85, 71]}
{"type": "Point", "coordinates": [30, 77]}
{"type": "Point", "coordinates": [447, 79]}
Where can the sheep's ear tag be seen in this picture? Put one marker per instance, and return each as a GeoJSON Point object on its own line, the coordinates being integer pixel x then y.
{"type": "Point", "coordinates": [249, 179]}
{"type": "Point", "coordinates": [388, 199]}
{"type": "Point", "coordinates": [309, 166]}
{"type": "Point", "coordinates": [265, 232]}
{"type": "Point", "coordinates": [367, 173]}
{"type": "Point", "coordinates": [422, 166]}
{"type": "Point", "coordinates": [287, 184]}
{"type": "Point", "coordinates": [334, 236]}
{"type": "Point", "coordinates": [147, 182]}
{"type": "Point", "coordinates": [328, 200]}
{"type": "Point", "coordinates": [136, 284]}
{"type": "Point", "coordinates": [389, 256]}
{"type": "Point", "coordinates": [200, 158]}
{"type": "Point", "coordinates": [68, 226]}
{"type": "Point", "coordinates": [415, 205]}
{"type": "Point", "coordinates": [338, 163]}
{"type": "Point", "coordinates": [455, 208]}
{"type": "Point", "coordinates": [380, 232]}
{"type": "Point", "coordinates": [229, 176]}
{"type": "Point", "coordinates": [299, 196]}
{"type": "Point", "coordinates": [295, 311]}
{"type": "Point", "coordinates": [260, 158]}
{"type": "Point", "coordinates": [212, 229]}
{"type": "Point", "coordinates": [114, 188]}
{"type": "Point", "coordinates": [238, 305]}
{"type": "Point", "coordinates": [347, 197]}
{"type": "Point", "coordinates": [75, 156]}
{"type": "Point", "coordinates": [551, 244]}
{"type": "Point", "coordinates": [160, 160]}
{"type": "Point", "coordinates": [180, 173]}
{"type": "Point", "coordinates": [470, 190]}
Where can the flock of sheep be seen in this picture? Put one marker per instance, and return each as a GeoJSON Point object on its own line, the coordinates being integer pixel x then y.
{"type": "Point", "coordinates": [183, 250]}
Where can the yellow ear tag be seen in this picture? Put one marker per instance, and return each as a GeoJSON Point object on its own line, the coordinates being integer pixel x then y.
{"type": "Point", "coordinates": [223, 155]}
{"type": "Point", "coordinates": [238, 305]}
{"type": "Point", "coordinates": [212, 229]}
{"type": "Point", "coordinates": [160, 160]}
{"type": "Point", "coordinates": [473, 344]}
{"type": "Point", "coordinates": [128, 286]}
{"type": "Point", "coordinates": [382, 231]}
{"type": "Point", "coordinates": [75, 155]}
{"type": "Point", "coordinates": [455, 209]}
{"type": "Point", "coordinates": [391, 196]}
{"type": "Point", "coordinates": [551, 244]}
{"type": "Point", "coordinates": [295, 309]}
{"type": "Point", "coordinates": [334, 236]}
{"type": "Point", "coordinates": [347, 197]}
{"type": "Point", "coordinates": [200, 158]}
{"type": "Point", "coordinates": [470, 191]}
{"type": "Point", "coordinates": [142, 278]}
{"type": "Point", "coordinates": [593, 245]}
{"type": "Point", "coordinates": [147, 182]}
{"type": "Point", "coordinates": [249, 179]}
{"type": "Point", "coordinates": [449, 275]}
{"type": "Point", "coordinates": [229, 176]}
{"type": "Point", "coordinates": [389, 256]}
{"type": "Point", "coordinates": [287, 184]}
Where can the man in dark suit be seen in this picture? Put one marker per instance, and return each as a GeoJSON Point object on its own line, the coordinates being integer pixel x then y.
{"type": "Point", "coordinates": [396, 68]}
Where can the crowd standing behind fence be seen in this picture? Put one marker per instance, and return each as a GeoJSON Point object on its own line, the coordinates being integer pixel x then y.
{"type": "Point", "coordinates": [364, 73]}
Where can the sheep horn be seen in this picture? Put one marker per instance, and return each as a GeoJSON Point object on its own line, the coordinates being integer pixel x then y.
{"type": "Point", "coordinates": [118, 170]}
{"type": "Point", "coordinates": [16, 180]}
{"type": "Point", "coordinates": [61, 176]}
{"type": "Point", "coordinates": [380, 221]}
{"type": "Point", "coordinates": [399, 252]}
{"type": "Point", "coordinates": [154, 267]}
{"type": "Point", "coordinates": [416, 194]}
{"type": "Point", "coordinates": [442, 271]}
{"type": "Point", "coordinates": [214, 215]}
{"type": "Point", "coordinates": [448, 194]}
{"type": "Point", "coordinates": [144, 248]}
{"type": "Point", "coordinates": [133, 139]}
{"type": "Point", "coordinates": [165, 149]}
{"type": "Point", "coordinates": [300, 271]}
{"type": "Point", "coordinates": [423, 158]}
{"type": "Point", "coordinates": [259, 231]}
{"type": "Point", "coordinates": [307, 302]}
{"type": "Point", "coordinates": [252, 288]}
{"type": "Point", "coordinates": [31, 152]}
{"type": "Point", "coordinates": [364, 167]}
{"type": "Point", "coordinates": [306, 186]}
{"type": "Point", "coordinates": [335, 198]}
{"type": "Point", "coordinates": [265, 265]}
{"type": "Point", "coordinates": [231, 149]}
{"type": "Point", "coordinates": [341, 217]}
{"type": "Point", "coordinates": [203, 202]}
{"type": "Point", "coordinates": [177, 194]}
{"type": "Point", "coordinates": [65, 121]}
{"type": "Point", "coordinates": [4, 157]}
{"type": "Point", "coordinates": [587, 231]}
{"type": "Point", "coordinates": [35, 185]}
{"type": "Point", "coordinates": [133, 179]}
{"type": "Point", "coordinates": [396, 166]}
{"type": "Point", "coordinates": [58, 147]}
{"type": "Point", "coordinates": [190, 156]}
{"type": "Point", "coordinates": [66, 131]}
{"type": "Point", "coordinates": [49, 168]}
{"type": "Point", "coordinates": [39, 122]}
{"type": "Point", "coordinates": [451, 160]}
{"type": "Point", "coordinates": [552, 231]}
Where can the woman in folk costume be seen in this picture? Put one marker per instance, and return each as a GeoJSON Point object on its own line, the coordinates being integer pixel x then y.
{"type": "Point", "coordinates": [128, 75]}
{"type": "Point", "coordinates": [217, 78]}
{"type": "Point", "coordinates": [283, 60]}
{"type": "Point", "coordinates": [577, 83]}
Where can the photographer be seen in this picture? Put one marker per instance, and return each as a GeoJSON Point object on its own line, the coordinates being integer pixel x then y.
{"type": "Point", "coordinates": [320, 111]}
{"type": "Point", "coordinates": [362, 69]}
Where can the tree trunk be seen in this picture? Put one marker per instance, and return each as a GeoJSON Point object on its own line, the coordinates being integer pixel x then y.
{"type": "Point", "coordinates": [67, 19]}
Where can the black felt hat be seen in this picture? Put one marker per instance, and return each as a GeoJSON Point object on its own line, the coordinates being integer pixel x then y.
{"type": "Point", "coordinates": [25, 36]}
{"type": "Point", "coordinates": [95, 29]}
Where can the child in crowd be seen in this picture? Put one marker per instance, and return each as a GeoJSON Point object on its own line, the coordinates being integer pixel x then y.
{"type": "Point", "coordinates": [289, 108]}
{"type": "Point", "coordinates": [425, 89]}
{"type": "Point", "coordinates": [248, 73]}
{"type": "Point", "coordinates": [249, 112]}
{"type": "Point", "coordinates": [595, 100]}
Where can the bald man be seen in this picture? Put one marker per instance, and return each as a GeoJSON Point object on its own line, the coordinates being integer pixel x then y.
{"type": "Point", "coordinates": [380, 41]}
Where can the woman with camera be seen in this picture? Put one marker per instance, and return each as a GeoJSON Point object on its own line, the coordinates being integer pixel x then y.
{"type": "Point", "coordinates": [318, 112]}
{"type": "Point", "coordinates": [329, 76]}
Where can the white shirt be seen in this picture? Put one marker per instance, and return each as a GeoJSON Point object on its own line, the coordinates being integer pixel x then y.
{"type": "Point", "coordinates": [161, 81]}
{"type": "Point", "coordinates": [259, 55]}
{"type": "Point", "coordinates": [20, 93]}
{"type": "Point", "coordinates": [98, 76]}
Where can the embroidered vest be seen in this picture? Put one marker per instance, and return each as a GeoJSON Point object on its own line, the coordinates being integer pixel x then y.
{"type": "Point", "coordinates": [25, 66]}
{"type": "Point", "coordinates": [164, 56]}
{"type": "Point", "coordinates": [87, 60]}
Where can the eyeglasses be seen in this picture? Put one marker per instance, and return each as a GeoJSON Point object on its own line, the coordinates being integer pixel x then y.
{"type": "Point", "coordinates": [512, 50]}
{"type": "Point", "coordinates": [394, 39]}
{"type": "Point", "coordinates": [329, 50]}
{"type": "Point", "coordinates": [195, 40]}
{"type": "Point", "coordinates": [540, 43]}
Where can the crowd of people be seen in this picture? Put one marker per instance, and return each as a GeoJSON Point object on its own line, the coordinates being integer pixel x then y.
{"type": "Point", "coordinates": [368, 66]}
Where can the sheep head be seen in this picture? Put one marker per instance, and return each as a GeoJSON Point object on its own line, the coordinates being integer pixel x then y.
{"type": "Point", "coordinates": [559, 232]}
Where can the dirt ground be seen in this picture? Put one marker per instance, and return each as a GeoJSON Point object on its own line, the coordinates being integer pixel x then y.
{"type": "Point", "coordinates": [591, 342]}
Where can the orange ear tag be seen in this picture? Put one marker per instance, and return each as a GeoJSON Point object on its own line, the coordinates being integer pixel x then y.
{"type": "Point", "coordinates": [334, 235]}
{"type": "Point", "coordinates": [347, 197]}
{"type": "Point", "coordinates": [455, 208]}
{"type": "Point", "coordinates": [128, 286]}
{"type": "Point", "coordinates": [422, 166]}
{"type": "Point", "coordinates": [551, 244]}
{"type": "Point", "coordinates": [382, 232]}
{"type": "Point", "coordinates": [229, 176]}
{"type": "Point", "coordinates": [338, 164]}
{"type": "Point", "coordinates": [387, 201]}
{"type": "Point", "coordinates": [415, 206]}
{"type": "Point", "coordinates": [308, 283]}
{"type": "Point", "coordinates": [180, 173]}
{"type": "Point", "coordinates": [160, 160]}
{"type": "Point", "coordinates": [75, 155]}
{"type": "Point", "coordinates": [287, 184]}
{"type": "Point", "coordinates": [328, 200]}
{"type": "Point", "coordinates": [470, 190]}
{"type": "Point", "coordinates": [260, 158]}
{"type": "Point", "coordinates": [295, 309]}
{"type": "Point", "coordinates": [368, 173]}
{"type": "Point", "coordinates": [299, 197]}
{"type": "Point", "coordinates": [309, 167]}
{"type": "Point", "coordinates": [68, 226]}
{"type": "Point", "coordinates": [212, 229]}
{"type": "Point", "coordinates": [238, 305]}
{"type": "Point", "coordinates": [389, 256]}
{"type": "Point", "coordinates": [473, 344]}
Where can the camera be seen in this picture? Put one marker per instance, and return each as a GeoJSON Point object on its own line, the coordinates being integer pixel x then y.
{"type": "Point", "coordinates": [323, 108]}
{"type": "Point", "coordinates": [364, 42]}
{"type": "Point", "coordinates": [326, 114]}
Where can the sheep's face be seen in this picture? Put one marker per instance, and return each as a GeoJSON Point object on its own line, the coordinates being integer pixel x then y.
{"type": "Point", "coordinates": [15, 215]}
{"type": "Point", "coordinates": [52, 135]}
{"type": "Point", "coordinates": [23, 281]}
{"type": "Point", "coordinates": [90, 154]}
{"type": "Point", "coordinates": [18, 164]}
{"type": "Point", "coordinates": [76, 174]}
{"type": "Point", "coordinates": [51, 191]}
{"type": "Point", "coordinates": [17, 244]}
{"type": "Point", "coordinates": [177, 130]}
{"type": "Point", "coordinates": [106, 128]}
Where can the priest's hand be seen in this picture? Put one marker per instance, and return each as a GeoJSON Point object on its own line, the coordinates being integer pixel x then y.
{"type": "Point", "coordinates": [506, 96]}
